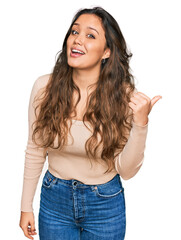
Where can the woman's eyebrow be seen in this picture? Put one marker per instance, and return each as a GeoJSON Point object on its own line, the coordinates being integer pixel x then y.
{"type": "Point", "coordinates": [87, 27]}
{"type": "Point", "coordinates": [93, 29]}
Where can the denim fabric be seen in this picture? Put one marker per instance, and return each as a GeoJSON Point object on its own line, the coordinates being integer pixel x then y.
{"type": "Point", "coordinates": [71, 210]}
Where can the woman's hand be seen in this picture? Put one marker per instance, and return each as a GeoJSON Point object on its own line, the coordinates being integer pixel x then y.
{"type": "Point", "coordinates": [141, 106]}
{"type": "Point", "coordinates": [27, 224]}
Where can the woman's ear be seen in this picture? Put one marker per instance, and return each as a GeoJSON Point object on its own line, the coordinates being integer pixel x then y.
{"type": "Point", "coordinates": [107, 53]}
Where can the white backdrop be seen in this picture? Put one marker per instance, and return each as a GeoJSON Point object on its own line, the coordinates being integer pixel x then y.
{"type": "Point", "coordinates": [31, 34]}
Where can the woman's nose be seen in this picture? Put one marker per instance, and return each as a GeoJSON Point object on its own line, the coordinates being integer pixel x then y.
{"type": "Point", "coordinates": [79, 39]}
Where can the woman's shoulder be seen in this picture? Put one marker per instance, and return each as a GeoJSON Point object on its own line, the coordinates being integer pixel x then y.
{"type": "Point", "coordinates": [42, 81]}
{"type": "Point", "coordinates": [39, 85]}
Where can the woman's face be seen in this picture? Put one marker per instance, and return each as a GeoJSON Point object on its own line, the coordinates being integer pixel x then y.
{"type": "Point", "coordinates": [86, 43]}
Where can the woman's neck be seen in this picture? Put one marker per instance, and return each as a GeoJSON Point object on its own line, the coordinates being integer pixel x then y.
{"type": "Point", "coordinates": [83, 79]}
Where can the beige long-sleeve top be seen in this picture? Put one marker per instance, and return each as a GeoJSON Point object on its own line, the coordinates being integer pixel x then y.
{"type": "Point", "coordinates": [71, 162]}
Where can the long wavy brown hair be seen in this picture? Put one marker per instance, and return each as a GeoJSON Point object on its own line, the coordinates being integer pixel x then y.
{"type": "Point", "coordinates": [107, 107]}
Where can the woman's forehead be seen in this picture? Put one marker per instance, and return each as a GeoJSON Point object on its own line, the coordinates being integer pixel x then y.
{"type": "Point", "coordinates": [89, 21]}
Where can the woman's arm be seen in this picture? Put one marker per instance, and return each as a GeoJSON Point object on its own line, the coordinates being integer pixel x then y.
{"type": "Point", "coordinates": [131, 158]}
{"type": "Point", "coordinates": [34, 157]}
{"type": "Point", "coordinates": [34, 161]}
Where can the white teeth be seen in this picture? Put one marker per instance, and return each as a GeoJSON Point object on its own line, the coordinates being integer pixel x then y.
{"type": "Point", "coordinates": [77, 51]}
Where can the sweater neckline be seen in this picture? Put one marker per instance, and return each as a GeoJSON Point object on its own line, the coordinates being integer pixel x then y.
{"type": "Point", "coordinates": [78, 122]}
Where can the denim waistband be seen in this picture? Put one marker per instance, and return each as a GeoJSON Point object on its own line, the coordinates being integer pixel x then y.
{"type": "Point", "coordinates": [77, 183]}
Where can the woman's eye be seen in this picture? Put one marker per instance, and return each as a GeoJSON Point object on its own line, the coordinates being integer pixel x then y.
{"type": "Point", "coordinates": [74, 32]}
{"type": "Point", "coordinates": [91, 36]}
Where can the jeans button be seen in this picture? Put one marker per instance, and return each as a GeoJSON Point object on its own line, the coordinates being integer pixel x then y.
{"type": "Point", "coordinates": [75, 183]}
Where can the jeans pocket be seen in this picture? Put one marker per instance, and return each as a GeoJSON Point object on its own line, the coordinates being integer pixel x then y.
{"type": "Point", "coordinates": [48, 180]}
{"type": "Point", "coordinates": [108, 192]}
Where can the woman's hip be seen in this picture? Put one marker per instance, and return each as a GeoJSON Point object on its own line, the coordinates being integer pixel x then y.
{"type": "Point", "coordinates": [99, 209]}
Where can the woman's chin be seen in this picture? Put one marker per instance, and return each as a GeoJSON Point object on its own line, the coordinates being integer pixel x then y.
{"type": "Point", "coordinates": [75, 65]}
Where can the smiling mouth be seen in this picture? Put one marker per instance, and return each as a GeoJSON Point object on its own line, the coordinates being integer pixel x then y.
{"type": "Point", "coordinates": [76, 53]}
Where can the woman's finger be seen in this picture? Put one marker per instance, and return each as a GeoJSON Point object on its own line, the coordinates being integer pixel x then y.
{"type": "Point", "coordinates": [33, 228]}
{"type": "Point", "coordinates": [132, 106]}
{"type": "Point", "coordinates": [142, 98]}
{"type": "Point", "coordinates": [135, 100]}
{"type": "Point", "coordinates": [143, 95]}
{"type": "Point", "coordinates": [26, 232]}
{"type": "Point", "coordinates": [155, 99]}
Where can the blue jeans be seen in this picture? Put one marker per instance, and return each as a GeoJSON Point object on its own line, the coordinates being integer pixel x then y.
{"type": "Point", "coordinates": [71, 210]}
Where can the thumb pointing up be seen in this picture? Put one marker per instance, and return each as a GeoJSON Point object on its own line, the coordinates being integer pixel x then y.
{"type": "Point", "coordinates": [154, 100]}
{"type": "Point", "coordinates": [141, 106]}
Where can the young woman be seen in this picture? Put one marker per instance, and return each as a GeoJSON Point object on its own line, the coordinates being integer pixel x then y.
{"type": "Point", "coordinates": [92, 123]}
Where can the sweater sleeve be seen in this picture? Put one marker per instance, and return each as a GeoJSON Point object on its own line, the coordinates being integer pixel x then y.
{"type": "Point", "coordinates": [34, 157]}
{"type": "Point", "coordinates": [131, 158]}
